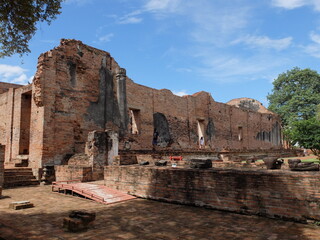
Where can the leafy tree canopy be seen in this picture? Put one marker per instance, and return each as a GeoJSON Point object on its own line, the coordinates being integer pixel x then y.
{"type": "Point", "coordinates": [295, 95]}
{"type": "Point", "coordinates": [306, 133]}
{"type": "Point", "coordinates": [18, 20]}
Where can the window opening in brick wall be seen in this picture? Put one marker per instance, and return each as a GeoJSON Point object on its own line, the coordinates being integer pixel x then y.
{"type": "Point", "coordinates": [240, 133]}
{"type": "Point", "coordinates": [135, 121]}
{"type": "Point", "coordinates": [201, 129]}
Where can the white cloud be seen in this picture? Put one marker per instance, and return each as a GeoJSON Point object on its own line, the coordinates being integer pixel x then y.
{"type": "Point", "coordinates": [315, 37]}
{"type": "Point", "coordinates": [13, 74]}
{"type": "Point", "coordinates": [106, 38]}
{"type": "Point", "coordinates": [313, 49]}
{"type": "Point", "coordinates": [130, 20]}
{"type": "Point", "coordinates": [292, 4]}
{"type": "Point", "coordinates": [162, 5]}
{"type": "Point", "coordinates": [227, 68]}
{"type": "Point", "coordinates": [78, 2]}
{"type": "Point", "coordinates": [265, 42]}
{"type": "Point", "coordinates": [180, 93]}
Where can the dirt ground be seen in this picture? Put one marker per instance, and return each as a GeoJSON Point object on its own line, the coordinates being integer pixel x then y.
{"type": "Point", "coordinates": [136, 219]}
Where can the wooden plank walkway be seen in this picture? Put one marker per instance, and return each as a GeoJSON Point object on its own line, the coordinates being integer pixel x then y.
{"type": "Point", "coordinates": [98, 193]}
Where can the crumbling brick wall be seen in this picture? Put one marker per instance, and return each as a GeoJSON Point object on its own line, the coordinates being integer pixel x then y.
{"type": "Point", "coordinates": [76, 86]}
{"type": "Point", "coordinates": [276, 194]}
{"type": "Point", "coordinates": [222, 123]}
{"type": "Point", "coordinates": [76, 90]}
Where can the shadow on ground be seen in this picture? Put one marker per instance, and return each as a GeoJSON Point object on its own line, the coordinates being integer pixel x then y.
{"type": "Point", "coordinates": [136, 219]}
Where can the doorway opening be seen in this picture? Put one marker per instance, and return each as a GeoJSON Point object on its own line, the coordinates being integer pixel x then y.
{"type": "Point", "coordinates": [25, 119]}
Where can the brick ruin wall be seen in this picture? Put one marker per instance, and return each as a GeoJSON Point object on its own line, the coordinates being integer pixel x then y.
{"type": "Point", "coordinates": [4, 87]}
{"type": "Point", "coordinates": [2, 149]}
{"type": "Point", "coordinates": [179, 118]}
{"type": "Point", "coordinates": [276, 194]}
{"type": "Point", "coordinates": [75, 91]}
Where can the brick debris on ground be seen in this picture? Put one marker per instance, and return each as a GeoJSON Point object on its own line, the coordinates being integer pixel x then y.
{"type": "Point", "coordinates": [135, 219]}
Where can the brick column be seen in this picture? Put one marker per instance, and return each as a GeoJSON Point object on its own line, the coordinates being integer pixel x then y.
{"type": "Point", "coordinates": [2, 149]}
{"type": "Point", "coordinates": [122, 99]}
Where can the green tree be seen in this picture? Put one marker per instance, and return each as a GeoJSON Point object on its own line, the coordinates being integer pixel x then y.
{"type": "Point", "coordinates": [306, 133]}
{"type": "Point", "coordinates": [18, 22]}
{"type": "Point", "coordinates": [295, 95]}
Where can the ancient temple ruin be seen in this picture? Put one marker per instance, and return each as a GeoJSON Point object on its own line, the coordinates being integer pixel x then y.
{"type": "Point", "coordinates": [78, 89]}
{"type": "Point", "coordinates": [83, 118]}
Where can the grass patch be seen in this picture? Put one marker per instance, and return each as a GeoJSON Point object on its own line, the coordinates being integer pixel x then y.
{"type": "Point", "coordinates": [314, 160]}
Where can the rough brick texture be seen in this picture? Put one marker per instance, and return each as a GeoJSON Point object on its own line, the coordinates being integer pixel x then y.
{"type": "Point", "coordinates": [276, 194]}
{"type": "Point", "coordinates": [78, 89]}
{"type": "Point", "coordinates": [4, 87]}
{"type": "Point", "coordinates": [2, 148]}
{"type": "Point", "coordinates": [66, 173]}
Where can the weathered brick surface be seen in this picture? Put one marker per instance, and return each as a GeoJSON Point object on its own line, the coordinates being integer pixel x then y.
{"type": "Point", "coordinates": [4, 87]}
{"type": "Point", "coordinates": [2, 149]}
{"type": "Point", "coordinates": [276, 194]}
{"type": "Point", "coordinates": [66, 172]}
{"type": "Point", "coordinates": [75, 91]}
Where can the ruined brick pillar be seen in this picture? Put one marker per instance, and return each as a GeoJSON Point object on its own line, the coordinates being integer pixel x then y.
{"type": "Point", "coordinates": [122, 99]}
{"type": "Point", "coordinates": [2, 149]}
{"type": "Point", "coordinates": [96, 150]}
{"type": "Point", "coordinates": [113, 146]}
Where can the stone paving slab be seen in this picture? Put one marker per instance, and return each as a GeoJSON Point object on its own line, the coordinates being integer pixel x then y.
{"type": "Point", "coordinates": [138, 219]}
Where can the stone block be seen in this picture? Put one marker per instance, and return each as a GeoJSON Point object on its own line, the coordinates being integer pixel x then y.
{"type": "Point", "coordinates": [273, 162]}
{"type": "Point", "coordinates": [20, 205]}
{"type": "Point", "coordinates": [200, 163]}
{"type": "Point", "coordinates": [78, 221]}
{"type": "Point", "coordinates": [161, 163]}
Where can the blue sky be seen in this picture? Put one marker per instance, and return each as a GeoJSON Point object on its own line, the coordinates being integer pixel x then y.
{"type": "Point", "coordinates": [230, 48]}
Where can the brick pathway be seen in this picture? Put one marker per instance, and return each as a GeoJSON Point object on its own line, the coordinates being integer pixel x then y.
{"type": "Point", "coordinates": [136, 219]}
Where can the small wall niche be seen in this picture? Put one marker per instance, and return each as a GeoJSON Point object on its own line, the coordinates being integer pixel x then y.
{"type": "Point", "coordinates": [240, 133]}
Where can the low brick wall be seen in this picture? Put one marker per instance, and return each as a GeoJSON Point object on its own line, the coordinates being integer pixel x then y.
{"type": "Point", "coordinates": [71, 172]}
{"type": "Point", "coordinates": [65, 172]}
{"type": "Point", "coordinates": [271, 193]}
{"type": "Point", "coordinates": [2, 149]}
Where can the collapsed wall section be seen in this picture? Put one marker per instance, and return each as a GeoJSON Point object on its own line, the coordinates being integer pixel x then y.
{"type": "Point", "coordinates": [76, 86]}
{"type": "Point", "coordinates": [275, 194]}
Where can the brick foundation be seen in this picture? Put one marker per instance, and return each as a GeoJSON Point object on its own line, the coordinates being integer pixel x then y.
{"type": "Point", "coordinates": [65, 172]}
{"type": "Point", "coordinates": [275, 194]}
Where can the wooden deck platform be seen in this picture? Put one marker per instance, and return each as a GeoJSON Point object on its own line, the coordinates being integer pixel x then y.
{"type": "Point", "coordinates": [98, 193]}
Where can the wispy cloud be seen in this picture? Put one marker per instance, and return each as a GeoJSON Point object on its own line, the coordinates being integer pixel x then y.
{"type": "Point", "coordinates": [265, 42]}
{"type": "Point", "coordinates": [106, 38]}
{"type": "Point", "coordinates": [227, 68]}
{"type": "Point", "coordinates": [13, 74]}
{"type": "Point", "coordinates": [162, 5]}
{"type": "Point", "coordinates": [131, 18]}
{"type": "Point", "coordinates": [313, 49]}
{"type": "Point", "coordinates": [180, 93]}
{"type": "Point", "coordinates": [292, 4]}
{"type": "Point", "coordinates": [79, 3]}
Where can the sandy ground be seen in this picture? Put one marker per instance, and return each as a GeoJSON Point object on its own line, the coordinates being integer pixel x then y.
{"type": "Point", "coordinates": [136, 219]}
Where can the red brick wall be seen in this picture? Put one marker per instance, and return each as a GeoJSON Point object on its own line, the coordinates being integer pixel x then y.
{"type": "Point", "coordinates": [183, 114]}
{"type": "Point", "coordinates": [4, 87]}
{"type": "Point", "coordinates": [276, 194]}
{"type": "Point", "coordinates": [65, 172]}
{"type": "Point", "coordinates": [68, 102]}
